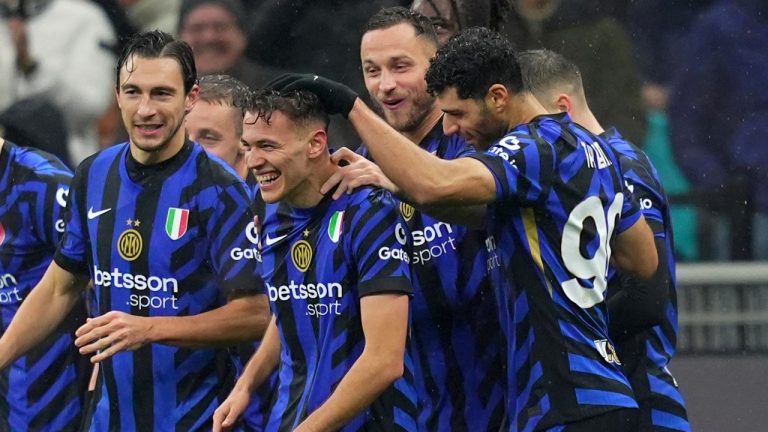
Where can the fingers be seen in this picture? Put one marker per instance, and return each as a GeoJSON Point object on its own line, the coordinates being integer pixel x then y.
{"type": "Point", "coordinates": [345, 154]}
{"type": "Point", "coordinates": [331, 183]}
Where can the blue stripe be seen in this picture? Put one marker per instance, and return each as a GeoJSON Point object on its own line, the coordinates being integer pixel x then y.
{"type": "Point", "coordinates": [604, 398]}
{"type": "Point", "coordinates": [595, 367]}
{"type": "Point", "coordinates": [670, 421]}
{"type": "Point", "coordinates": [662, 387]}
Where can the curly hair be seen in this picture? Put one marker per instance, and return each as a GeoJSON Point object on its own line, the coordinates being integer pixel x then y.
{"type": "Point", "coordinates": [472, 61]}
{"type": "Point", "coordinates": [301, 106]}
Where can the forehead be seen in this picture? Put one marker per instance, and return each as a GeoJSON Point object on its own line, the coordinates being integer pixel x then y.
{"type": "Point", "coordinates": [208, 13]}
{"type": "Point", "coordinates": [276, 130]}
{"type": "Point", "coordinates": [212, 114]}
{"type": "Point", "coordinates": [399, 40]}
{"type": "Point", "coordinates": [449, 100]}
{"type": "Point", "coordinates": [151, 72]}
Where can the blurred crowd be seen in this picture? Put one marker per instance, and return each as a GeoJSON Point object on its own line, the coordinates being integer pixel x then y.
{"type": "Point", "coordinates": [684, 79]}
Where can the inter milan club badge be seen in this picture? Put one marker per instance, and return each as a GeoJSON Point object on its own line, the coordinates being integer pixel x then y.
{"type": "Point", "coordinates": [301, 254]}
{"type": "Point", "coordinates": [129, 244]}
{"type": "Point", "coordinates": [407, 211]}
{"type": "Point", "coordinates": [176, 222]}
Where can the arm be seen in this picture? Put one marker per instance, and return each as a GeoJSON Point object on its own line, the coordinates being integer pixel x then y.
{"type": "Point", "coordinates": [639, 304]}
{"type": "Point", "coordinates": [462, 181]}
{"type": "Point", "coordinates": [242, 319]}
{"type": "Point", "coordinates": [425, 178]}
{"type": "Point", "coordinates": [261, 364]}
{"type": "Point", "coordinates": [385, 324]}
{"type": "Point", "coordinates": [634, 250]}
{"type": "Point", "coordinates": [41, 312]}
{"type": "Point", "coordinates": [360, 171]}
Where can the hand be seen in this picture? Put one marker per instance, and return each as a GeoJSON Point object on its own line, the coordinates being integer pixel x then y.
{"type": "Point", "coordinates": [359, 172]}
{"type": "Point", "coordinates": [230, 410]}
{"type": "Point", "coordinates": [112, 333]}
{"type": "Point", "coordinates": [337, 97]}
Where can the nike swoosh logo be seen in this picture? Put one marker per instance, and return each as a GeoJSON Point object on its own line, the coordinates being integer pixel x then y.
{"type": "Point", "coordinates": [92, 214]}
{"type": "Point", "coordinates": [271, 241]}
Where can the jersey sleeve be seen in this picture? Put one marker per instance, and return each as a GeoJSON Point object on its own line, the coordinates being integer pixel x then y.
{"type": "Point", "coordinates": [521, 167]}
{"type": "Point", "coordinates": [380, 245]}
{"type": "Point", "coordinates": [630, 209]}
{"type": "Point", "coordinates": [234, 252]}
{"type": "Point", "coordinates": [72, 253]}
{"type": "Point", "coordinates": [50, 195]}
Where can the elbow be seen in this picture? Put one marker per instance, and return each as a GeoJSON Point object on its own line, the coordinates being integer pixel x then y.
{"type": "Point", "coordinates": [648, 265]}
{"type": "Point", "coordinates": [393, 371]}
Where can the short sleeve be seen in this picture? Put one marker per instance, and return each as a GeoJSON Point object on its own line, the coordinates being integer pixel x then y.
{"type": "Point", "coordinates": [380, 245]}
{"type": "Point", "coordinates": [234, 252]}
{"type": "Point", "coordinates": [72, 253]}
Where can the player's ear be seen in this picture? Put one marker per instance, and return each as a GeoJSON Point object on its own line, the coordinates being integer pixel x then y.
{"type": "Point", "coordinates": [318, 143]}
{"type": "Point", "coordinates": [563, 103]}
{"type": "Point", "coordinates": [191, 98]}
{"type": "Point", "coordinates": [497, 96]}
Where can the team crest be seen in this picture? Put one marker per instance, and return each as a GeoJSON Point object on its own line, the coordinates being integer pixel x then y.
{"type": "Point", "coordinates": [407, 210]}
{"type": "Point", "coordinates": [301, 254]}
{"type": "Point", "coordinates": [129, 244]}
{"type": "Point", "coordinates": [335, 226]}
{"type": "Point", "coordinates": [606, 349]}
{"type": "Point", "coordinates": [176, 222]}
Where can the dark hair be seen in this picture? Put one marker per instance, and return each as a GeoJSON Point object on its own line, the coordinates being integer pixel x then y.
{"type": "Point", "coordinates": [472, 61]}
{"type": "Point", "coordinates": [544, 68]}
{"type": "Point", "coordinates": [300, 106]}
{"type": "Point", "coordinates": [224, 90]}
{"type": "Point", "coordinates": [156, 44]}
{"type": "Point", "coordinates": [392, 16]}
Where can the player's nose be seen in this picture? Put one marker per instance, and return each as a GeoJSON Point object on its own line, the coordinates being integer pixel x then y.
{"type": "Point", "coordinates": [450, 126]}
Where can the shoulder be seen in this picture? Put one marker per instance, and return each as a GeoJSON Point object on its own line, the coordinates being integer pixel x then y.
{"type": "Point", "coordinates": [33, 163]}
{"type": "Point", "coordinates": [368, 196]}
{"type": "Point", "coordinates": [212, 171]}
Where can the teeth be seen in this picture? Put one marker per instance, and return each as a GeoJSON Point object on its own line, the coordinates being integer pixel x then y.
{"type": "Point", "coordinates": [267, 178]}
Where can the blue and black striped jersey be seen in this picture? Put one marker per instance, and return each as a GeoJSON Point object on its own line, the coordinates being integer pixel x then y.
{"type": "Point", "coordinates": [43, 390]}
{"type": "Point", "coordinates": [170, 239]}
{"type": "Point", "coordinates": [317, 265]}
{"type": "Point", "coordinates": [560, 199]}
{"type": "Point", "coordinates": [456, 341]}
{"type": "Point", "coordinates": [647, 354]}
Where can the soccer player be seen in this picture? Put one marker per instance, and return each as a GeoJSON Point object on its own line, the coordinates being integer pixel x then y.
{"type": "Point", "coordinates": [161, 229]}
{"type": "Point", "coordinates": [642, 319]}
{"type": "Point", "coordinates": [216, 121]}
{"type": "Point", "coordinates": [558, 213]}
{"type": "Point", "coordinates": [338, 280]}
{"type": "Point", "coordinates": [456, 342]}
{"type": "Point", "coordinates": [44, 390]}
{"type": "Point", "coordinates": [217, 124]}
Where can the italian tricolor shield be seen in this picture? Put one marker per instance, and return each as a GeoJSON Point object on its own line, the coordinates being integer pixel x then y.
{"type": "Point", "coordinates": [334, 226]}
{"type": "Point", "coordinates": [176, 222]}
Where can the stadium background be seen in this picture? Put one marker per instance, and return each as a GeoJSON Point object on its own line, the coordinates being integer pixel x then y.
{"type": "Point", "coordinates": [696, 107]}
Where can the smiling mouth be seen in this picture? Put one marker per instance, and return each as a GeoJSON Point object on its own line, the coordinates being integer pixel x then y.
{"type": "Point", "coordinates": [267, 179]}
{"type": "Point", "coordinates": [148, 128]}
{"type": "Point", "coordinates": [393, 103]}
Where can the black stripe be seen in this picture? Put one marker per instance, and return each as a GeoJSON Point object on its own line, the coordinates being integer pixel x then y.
{"type": "Point", "coordinates": [107, 225]}
{"type": "Point", "coordinates": [147, 203]}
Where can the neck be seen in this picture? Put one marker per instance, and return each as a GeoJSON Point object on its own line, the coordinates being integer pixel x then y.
{"type": "Point", "coordinates": [590, 123]}
{"type": "Point", "coordinates": [421, 132]}
{"type": "Point", "coordinates": [309, 195]}
{"type": "Point", "coordinates": [524, 109]}
{"type": "Point", "coordinates": [167, 151]}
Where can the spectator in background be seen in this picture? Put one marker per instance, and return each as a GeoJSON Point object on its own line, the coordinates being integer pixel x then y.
{"type": "Point", "coordinates": [599, 46]}
{"type": "Point", "coordinates": [215, 29]}
{"type": "Point", "coordinates": [63, 52]}
{"type": "Point", "coordinates": [719, 116]}
{"type": "Point", "coordinates": [451, 16]}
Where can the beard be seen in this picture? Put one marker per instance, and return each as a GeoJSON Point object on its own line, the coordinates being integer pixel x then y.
{"type": "Point", "coordinates": [410, 120]}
